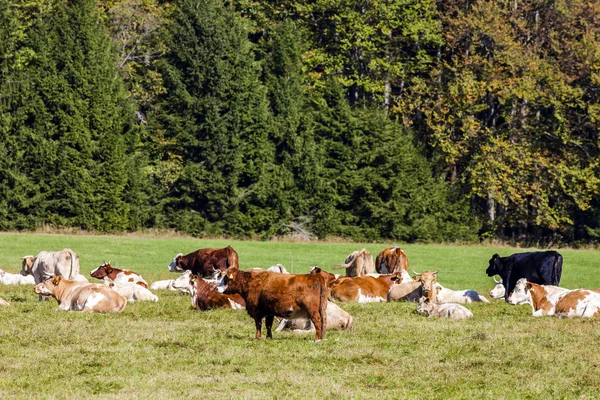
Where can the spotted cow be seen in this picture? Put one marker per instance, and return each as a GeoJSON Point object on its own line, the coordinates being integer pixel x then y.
{"type": "Point", "coordinates": [120, 277]}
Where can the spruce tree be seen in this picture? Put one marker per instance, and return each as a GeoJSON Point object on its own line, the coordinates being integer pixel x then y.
{"type": "Point", "coordinates": [214, 118]}
{"type": "Point", "coordinates": [77, 122]}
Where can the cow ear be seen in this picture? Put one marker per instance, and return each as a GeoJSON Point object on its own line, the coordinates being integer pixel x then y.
{"type": "Point", "coordinates": [56, 279]}
{"type": "Point", "coordinates": [529, 286]}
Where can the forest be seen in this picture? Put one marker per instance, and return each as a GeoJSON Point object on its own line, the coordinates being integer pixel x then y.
{"type": "Point", "coordinates": [399, 120]}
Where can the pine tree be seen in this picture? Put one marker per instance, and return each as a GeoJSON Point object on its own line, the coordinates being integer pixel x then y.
{"type": "Point", "coordinates": [214, 119]}
{"type": "Point", "coordinates": [77, 122]}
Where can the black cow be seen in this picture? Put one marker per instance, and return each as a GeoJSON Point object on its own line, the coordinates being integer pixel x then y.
{"type": "Point", "coordinates": [541, 267]}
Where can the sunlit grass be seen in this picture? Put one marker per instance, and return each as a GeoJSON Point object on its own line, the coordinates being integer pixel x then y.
{"type": "Point", "coordinates": [167, 349]}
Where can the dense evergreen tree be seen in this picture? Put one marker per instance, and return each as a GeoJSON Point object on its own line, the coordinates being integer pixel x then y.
{"type": "Point", "coordinates": [74, 131]}
{"type": "Point", "coordinates": [214, 118]}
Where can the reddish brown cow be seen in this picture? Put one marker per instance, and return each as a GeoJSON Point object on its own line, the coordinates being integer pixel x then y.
{"type": "Point", "coordinates": [206, 262]}
{"type": "Point", "coordinates": [206, 297]}
{"type": "Point", "coordinates": [120, 277]}
{"type": "Point", "coordinates": [391, 260]}
{"type": "Point", "coordinates": [270, 294]}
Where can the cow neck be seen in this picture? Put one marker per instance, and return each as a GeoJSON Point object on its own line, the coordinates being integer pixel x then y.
{"type": "Point", "coordinates": [202, 287]}
{"type": "Point", "coordinates": [538, 296]}
{"type": "Point", "coordinates": [60, 289]}
{"type": "Point", "coordinates": [113, 274]}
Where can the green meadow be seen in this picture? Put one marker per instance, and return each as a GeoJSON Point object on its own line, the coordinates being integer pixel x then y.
{"type": "Point", "coordinates": [169, 350]}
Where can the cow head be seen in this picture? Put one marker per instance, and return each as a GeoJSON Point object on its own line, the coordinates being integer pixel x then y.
{"type": "Point", "coordinates": [175, 265]}
{"type": "Point", "coordinates": [402, 276]}
{"type": "Point", "coordinates": [427, 279]}
{"type": "Point", "coordinates": [183, 282]}
{"type": "Point", "coordinates": [27, 265]}
{"type": "Point", "coordinates": [233, 281]}
{"type": "Point", "coordinates": [425, 306]}
{"type": "Point", "coordinates": [102, 271]}
{"type": "Point", "coordinates": [521, 294]}
{"type": "Point", "coordinates": [46, 288]}
{"type": "Point", "coordinates": [498, 291]}
{"type": "Point", "coordinates": [495, 267]}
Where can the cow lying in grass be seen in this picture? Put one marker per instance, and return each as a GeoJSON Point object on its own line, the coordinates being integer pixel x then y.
{"type": "Point", "coordinates": [166, 284]}
{"type": "Point", "coordinates": [578, 303]}
{"type": "Point", "coordinates": [541, 298]}
{"type": "Point", "coordinates": [447, 310]}
{"type": "Point", "coordinates": [81, 296]}
{"type": "Point", "coordinates": [120, 277]}
{"type": "Point", "coordinates": [134, 292]}
{"type": "Point", "coordinates": [336, 319]}
{"type": "Point", "coordinates": [498, 291]}
{"type": "Point", "coordinates": [205, 296]}
{"type": "Point", "coordinates": [6, 278]}
{"type": "Point", "coordinates": [445, 295]}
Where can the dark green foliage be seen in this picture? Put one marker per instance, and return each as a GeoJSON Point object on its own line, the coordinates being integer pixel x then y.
{"type": "Point", "coordinates": [384, 185]}
{"type": "Point", "coordinates": [72, 131]}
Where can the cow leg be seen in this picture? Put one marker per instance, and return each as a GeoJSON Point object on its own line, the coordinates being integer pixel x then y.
{"type": "Point", "coordinates": [269, 323]}
{"type": "Point", "coordinates": [506, 283]}
{"type": "Point", "coordinates": [258, 324]}
{"type": "Point", "coordinates": [318, 323]}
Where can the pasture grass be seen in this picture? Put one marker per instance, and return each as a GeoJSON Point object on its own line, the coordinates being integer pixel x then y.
{"type": "Point", "coordinates": [168, 349]}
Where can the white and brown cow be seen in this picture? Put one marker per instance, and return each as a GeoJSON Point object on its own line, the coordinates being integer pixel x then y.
{"type": "Point", "coordinates": [362, 289]}
{"type": "Point", "coordinates": [542, 298]}
{"type": "Point", "coordinates": [578, 303]}
{"type": "Point", "coordinates": [391, 260]}
{"type": "Point", "coordinates": [81, 296]}
{"type": "Point", "coordinates": [120, 277]}
{"type": "Point", "coordinates": [446, 310]}
{"type": "Point", "coordinates": [336, 319]}
{"type": "Point", "coordinates": [358, 263]}
{"type": "Point", "coordinates": [6, 278]}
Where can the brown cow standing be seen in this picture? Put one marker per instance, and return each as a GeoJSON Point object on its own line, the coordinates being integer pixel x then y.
{"type": "Point", "coordinates": [270, 294]}
{"type": "Point", "coordinates": [358, 263]}
{"type": "Point", "coordinates": [391, 260]}
{"type": "Point", "coordinates": [206, 297]}
{"type": "Point", "coordinates": [206, 262]}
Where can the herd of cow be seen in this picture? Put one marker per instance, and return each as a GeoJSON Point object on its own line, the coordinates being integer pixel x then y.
{"type": "Point", "coordinates": [305, 302]}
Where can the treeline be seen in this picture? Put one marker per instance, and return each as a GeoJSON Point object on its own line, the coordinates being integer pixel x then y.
{"type": "Point", "coordinates": [398, 120]}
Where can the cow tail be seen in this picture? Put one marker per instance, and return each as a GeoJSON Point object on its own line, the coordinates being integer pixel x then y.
{"type": "Point", "coordinates": [323, 305]}
{"type": "Point", "coordinates": [73, 259]}
{"type": "Point", "coordinates": [557, 269]}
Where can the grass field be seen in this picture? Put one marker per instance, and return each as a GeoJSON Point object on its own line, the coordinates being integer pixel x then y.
{"type": "Point", "coordinates": [168, 349]}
